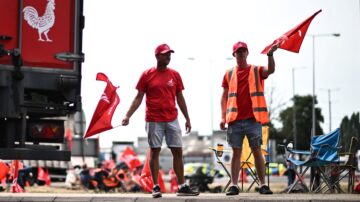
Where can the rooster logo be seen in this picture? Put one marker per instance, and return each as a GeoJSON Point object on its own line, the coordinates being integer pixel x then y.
{"type": "Point", "coordinates": [44, 23]}
{"type": "Point", "coordinates": [170, 83]}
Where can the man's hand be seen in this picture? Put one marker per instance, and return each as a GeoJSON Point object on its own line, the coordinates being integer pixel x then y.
{"type": "Point", "coordinates": [187, 127]}
{"type": "Point", "coordinates": [125, 121]}
{"type": "Point", "coordinates": [273, 49]}
{"type": "Point", "coordinates": [222, 125]}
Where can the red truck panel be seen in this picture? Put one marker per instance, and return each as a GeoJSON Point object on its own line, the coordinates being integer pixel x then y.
{"type": "Point", "coordinates": [56, 19]}
{"type": "Point", "coordinates": [9, 26]}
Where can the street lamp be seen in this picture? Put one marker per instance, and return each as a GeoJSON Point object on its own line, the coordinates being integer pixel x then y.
{"type": "Point", "coordinates": [313, 129]}
{"type": "Point", "coordinates": [329, 97]}
{"type": "Point", "coordinates": [209, 63]}
{"type": "Point", "coordinates": [315, 177]}
{"type": "Point", "coordinates": [294, 107]}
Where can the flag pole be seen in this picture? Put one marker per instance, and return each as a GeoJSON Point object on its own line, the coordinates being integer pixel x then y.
{"type": "Point", "coordinates": [117, 126]}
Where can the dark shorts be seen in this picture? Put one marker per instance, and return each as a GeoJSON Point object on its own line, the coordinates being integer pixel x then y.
{"type": "Point", "coordinates": [238, 129]}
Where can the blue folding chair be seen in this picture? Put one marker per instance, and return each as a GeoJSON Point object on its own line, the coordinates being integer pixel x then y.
{"type": "Point", "coordinates": [323, 152]}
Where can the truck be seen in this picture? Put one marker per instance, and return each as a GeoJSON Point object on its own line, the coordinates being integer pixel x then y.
{"type": "Point", "coordinates": [40, 76]}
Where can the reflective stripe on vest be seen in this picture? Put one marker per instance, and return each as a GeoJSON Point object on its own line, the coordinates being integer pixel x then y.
{"type": "Point", "coordinates": [256, 88]}
{"type": "Point", "coordinates": [231, 108]}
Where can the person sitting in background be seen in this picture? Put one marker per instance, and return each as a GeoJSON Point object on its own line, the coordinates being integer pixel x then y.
{"type": "Point", "coordinates": [72, 177]}
{"type": "Point", "coordinates": [99, 176]}
{"type": "Point", "coordinates": [129, 183]}
{"type": "Point", "coordinates": [85, 177]}
{"type": "Point", "coordinates": [24, 174]}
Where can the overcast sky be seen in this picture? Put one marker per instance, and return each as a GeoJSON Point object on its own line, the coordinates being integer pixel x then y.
{"type": "Point", "coordinates": [120, 38]}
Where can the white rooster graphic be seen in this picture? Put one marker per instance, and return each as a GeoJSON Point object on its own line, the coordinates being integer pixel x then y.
{"type": "Point", "coordinates": [44, 23]}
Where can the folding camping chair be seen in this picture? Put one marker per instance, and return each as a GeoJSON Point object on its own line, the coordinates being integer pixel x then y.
{"type": "Point", "coordinates": [218, 153]}
{"type": "Point", "coordinates": [247, 161]}
{"type": "Point", "coordinates": [323, 152]}
{"type": "Point", "coordinates": [348, 167]}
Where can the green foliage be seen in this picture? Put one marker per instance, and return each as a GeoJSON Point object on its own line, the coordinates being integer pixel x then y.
{"type": "Point", "coordinates": [303, 113]}
{"type": "Point", "coordinates": [349, 127]}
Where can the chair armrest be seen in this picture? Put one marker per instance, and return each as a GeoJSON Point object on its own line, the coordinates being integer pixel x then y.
{"type": "Point", "coordinates": [344, 153]}
{"type": "Point", "coordinates": [296, 151]}
{"type": "Point", "coordinates": [215, 150]}
{"type": "Point", "coordinates": [264, 152]}
{"type": "Point", "coordinates": [212, 148]}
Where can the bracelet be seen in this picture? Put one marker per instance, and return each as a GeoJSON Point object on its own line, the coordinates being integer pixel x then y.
{"type": "Point", "coordinates": [269, 54]}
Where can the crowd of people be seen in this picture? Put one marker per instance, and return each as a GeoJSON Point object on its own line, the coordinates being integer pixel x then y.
{"type": "Point", "coordinates": [105, 178]}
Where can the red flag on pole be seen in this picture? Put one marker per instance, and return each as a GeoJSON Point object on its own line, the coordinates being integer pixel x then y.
{"type": "Point", "coordinates": [173, 181]}
{"type": "Point", "coordinates": [47, 178]}
{"type": "Point", "coordinates": [130, 158]}
{"type": "Point", "coordinates": [146, 181]}
{"type": "Point", "coordinates": [43, 175]}
{"type": "Point", "coordinates": [16, 188]}
{"type": "Point", "coordinates": [4, 169]}
{"type": "Point", "coordinates": [101, 120]}
{"type": "Point", "coordinates": [68, 136]}
{"type": "Point", "coordinates": [292, 40]}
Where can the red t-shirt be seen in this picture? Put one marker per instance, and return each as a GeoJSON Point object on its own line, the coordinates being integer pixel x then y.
{"type": "Point", "coordinates": [161, 88]}
{"type": "Point", "coordinates": [243, 93]}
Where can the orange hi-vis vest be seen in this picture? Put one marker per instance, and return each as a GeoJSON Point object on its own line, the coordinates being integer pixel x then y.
{"type": "Point", "coordinates": [256, 87]}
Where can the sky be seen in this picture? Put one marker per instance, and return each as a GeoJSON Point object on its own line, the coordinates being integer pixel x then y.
{"type": "Point", "coordinates": [120, 37]}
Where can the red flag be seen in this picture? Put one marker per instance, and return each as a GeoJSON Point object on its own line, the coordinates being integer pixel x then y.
{"type": "Point", "coordinates": [101, 120]}
{"type": "Point", "coordinates": [16, 188]}
{"type": "Point", "coordinates": [68, 136]}
{"type": "Point", "coordinates": [145, 178]}
{"type": "Point", "coordinates": [173, 181]}
{"type": "Point", "coordinates": [292, 40]}
{"type": "Point", "coordinates": [4, 169]}
{"type": "Point", "coordinates": [130, 158]}
{"type": "Point", "coordinates": [48, 179]}
{"type": "Point", "coordinates": [43, 175]}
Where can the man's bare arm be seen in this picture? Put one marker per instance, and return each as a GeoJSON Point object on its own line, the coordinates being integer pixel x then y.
{"type": "Point", "coordinates": [182, 105]}
{"type": "Point", "coordinates": [271, 63]}
{"type": "Point", "coordinates": [133, 107]}
{"type": "Point", "coordinates": [224, 98]}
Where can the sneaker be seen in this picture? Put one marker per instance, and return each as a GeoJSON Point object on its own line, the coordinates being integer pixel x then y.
{"type": "Point", "coordinates": [156, 193]}
{"type": "Point", "coordinates": [233, 190]}
{"type": "Point", "coordinates": [265, 190]}
{"type": "Point", "coordinates": [186, 191]}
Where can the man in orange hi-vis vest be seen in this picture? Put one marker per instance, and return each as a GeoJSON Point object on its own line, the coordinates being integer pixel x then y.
{"type": "Point", "coordinates": [243, 109]}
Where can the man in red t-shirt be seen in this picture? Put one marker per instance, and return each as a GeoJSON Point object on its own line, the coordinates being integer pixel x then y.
{"type": "Point", "coordinates": [162, 85]}
{"type": "Point", "coordinates": [244, 111]}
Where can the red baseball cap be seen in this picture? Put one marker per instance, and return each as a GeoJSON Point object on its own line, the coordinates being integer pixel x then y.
{"type": "Point", "coordinates": [239, 45]}
{"type": "Point", "coordinates": [163, 48]}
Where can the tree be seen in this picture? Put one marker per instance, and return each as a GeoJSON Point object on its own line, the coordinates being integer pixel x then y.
{"type": "Point", "coordinates": [349, 127]}
{"type": "Point", "coordinates": [274, 103]}
{"type": "Point", "coordinates": [303, 105]}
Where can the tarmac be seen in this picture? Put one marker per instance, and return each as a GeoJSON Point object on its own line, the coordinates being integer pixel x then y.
{"type": "Point", "coordinates": [203, 197]}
